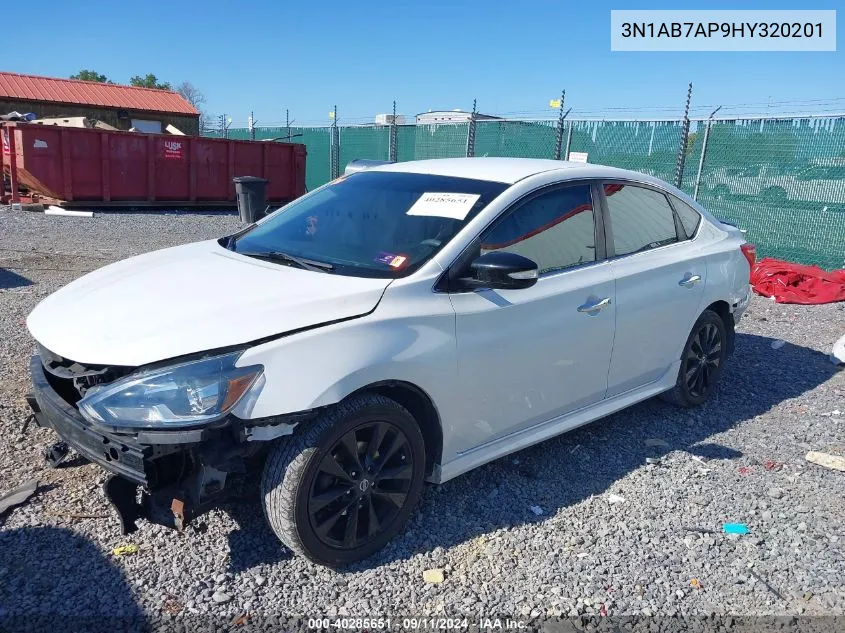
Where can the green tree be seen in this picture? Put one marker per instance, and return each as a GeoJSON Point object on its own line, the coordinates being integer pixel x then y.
{"type": "Point", "coordinates": [90, 75]}
{"type": "Point", "coordinates": [692, 139]}
{"type": "Point", "coordinates": [148, 81]}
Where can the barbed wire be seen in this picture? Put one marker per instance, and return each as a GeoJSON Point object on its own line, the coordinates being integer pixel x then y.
{"type": "Point", "coordinates": [752, 109]}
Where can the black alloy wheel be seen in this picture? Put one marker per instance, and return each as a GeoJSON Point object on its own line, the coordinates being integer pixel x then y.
{"type": "Point", "coordinates": [361, 485]}
{"type": "Point", "coordinates": [702, 360]}
{"type": "Point", "coordinates": [342, 486]}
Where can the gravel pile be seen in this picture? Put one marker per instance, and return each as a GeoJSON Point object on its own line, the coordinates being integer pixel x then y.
{"type": "Point", "coordinates": [620, 517]}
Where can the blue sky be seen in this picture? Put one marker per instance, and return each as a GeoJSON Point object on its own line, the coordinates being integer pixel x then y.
{"type": "Point", "coordinates": [308, 56]}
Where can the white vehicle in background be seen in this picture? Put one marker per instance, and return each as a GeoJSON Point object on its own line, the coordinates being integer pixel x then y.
{"type": "Point", "coordinates": [820, 183]}
{"type": "Point", "coordinates": [763, 181]}
{"type": "Point", "coordinates": [823, 183]}
{"type": "Point", "coordinates": [408, 322]}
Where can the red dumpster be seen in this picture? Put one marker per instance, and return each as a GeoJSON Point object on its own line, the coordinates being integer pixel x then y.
{"type": "Point", "coordinates": [97, 168]}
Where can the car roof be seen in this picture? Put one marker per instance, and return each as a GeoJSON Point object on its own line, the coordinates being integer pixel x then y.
{"type": "Point", "coordinates": [509, 170]}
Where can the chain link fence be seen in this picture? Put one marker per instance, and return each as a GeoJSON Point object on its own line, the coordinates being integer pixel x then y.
{"type": "Point", "coordinates": [781, 179]}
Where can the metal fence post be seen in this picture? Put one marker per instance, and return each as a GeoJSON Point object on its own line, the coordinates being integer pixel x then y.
{"type": "Point", "coordinates": [559, 131]}
{"type": "Point", "coordinates": [682, 149]}
{"type": "Point", "coordinates": [334, 153]}
{"type": "Point", "coordinates": [391, 152]}
{"type": "Point", "coordinates": [568, 140]}
{"type": "Point", "coordinates": [471, 132]}
{"type": "Point", "coordinates": [703, 152]}
{"type": "Point", "coordinates": [558, 151]}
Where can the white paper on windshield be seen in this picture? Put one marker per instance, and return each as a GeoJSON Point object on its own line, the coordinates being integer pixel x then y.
{"type": "Point", "coordinates": [444, 205]}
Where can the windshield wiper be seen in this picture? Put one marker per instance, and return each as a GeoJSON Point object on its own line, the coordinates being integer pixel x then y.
{"type": "Point", "coordinates": [307, 264]}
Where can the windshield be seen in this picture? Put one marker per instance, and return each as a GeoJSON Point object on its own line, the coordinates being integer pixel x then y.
{"type": "Point", "coordinates": [370, 224]}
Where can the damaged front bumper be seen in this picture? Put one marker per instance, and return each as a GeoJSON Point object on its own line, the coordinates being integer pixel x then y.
{"type": "Point", "coordinates": [180, 473]}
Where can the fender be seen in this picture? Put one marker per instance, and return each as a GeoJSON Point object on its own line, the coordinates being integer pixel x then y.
{"type": "Point", "coordinates": [320, 367]}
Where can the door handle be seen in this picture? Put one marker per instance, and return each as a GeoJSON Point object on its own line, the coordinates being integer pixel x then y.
{"type": "Point", "coordinates": [593, 308]}
{"type": "Point", "coordinates": [689, 282]}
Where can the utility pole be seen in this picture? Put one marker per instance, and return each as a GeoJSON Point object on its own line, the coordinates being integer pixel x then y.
{"type": "Point", "coordinates": [287, 123]}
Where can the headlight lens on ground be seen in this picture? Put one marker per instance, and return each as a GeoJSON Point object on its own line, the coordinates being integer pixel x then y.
{"type": "Point", "coordinates": [177, 396]}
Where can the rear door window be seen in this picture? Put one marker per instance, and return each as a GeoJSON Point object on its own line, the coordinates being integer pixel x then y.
{"type": "Point", "coordinates": [641, 219]}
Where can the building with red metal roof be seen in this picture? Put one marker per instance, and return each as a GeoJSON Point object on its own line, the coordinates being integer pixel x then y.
{"type": "Point", "coordinates": [124, 107]}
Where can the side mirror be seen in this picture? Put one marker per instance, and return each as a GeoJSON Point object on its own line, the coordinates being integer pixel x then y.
{"type": "Point", "coordinates": [503, 271]}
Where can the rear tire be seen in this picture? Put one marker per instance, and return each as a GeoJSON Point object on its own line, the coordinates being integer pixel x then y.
{"type": "Point", "coordinates": [702, 361]}
{"type": "Point", "coordinates": [341, 488]}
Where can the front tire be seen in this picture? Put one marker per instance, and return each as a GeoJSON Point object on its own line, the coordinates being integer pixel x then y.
{"type": "Point", "coordinates": [344, 486]}
{"type": "Point", "coordinates": [702, 361]}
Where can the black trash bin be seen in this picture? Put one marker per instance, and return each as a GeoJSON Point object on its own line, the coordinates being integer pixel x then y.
{"type": "Point", "coordinates": [252, 197]}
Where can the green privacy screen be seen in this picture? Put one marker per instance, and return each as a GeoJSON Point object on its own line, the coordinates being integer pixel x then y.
{"type": "Point", "coordinates": [783, 180]}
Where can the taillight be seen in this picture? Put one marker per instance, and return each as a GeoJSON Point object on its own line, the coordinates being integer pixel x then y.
{"type": "Point", "coordinates": [750, 252]}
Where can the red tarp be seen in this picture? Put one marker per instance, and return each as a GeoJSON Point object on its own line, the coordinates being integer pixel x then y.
{"type": "Point", "coordinates": [794, 283]}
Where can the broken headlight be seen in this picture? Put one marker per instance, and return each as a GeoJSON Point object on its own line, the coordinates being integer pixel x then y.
{"type": "Point", "coordinates": [181, 395]}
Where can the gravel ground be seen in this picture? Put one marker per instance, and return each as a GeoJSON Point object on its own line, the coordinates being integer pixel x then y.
{"type": "Point", "coordinates": [616, 535]}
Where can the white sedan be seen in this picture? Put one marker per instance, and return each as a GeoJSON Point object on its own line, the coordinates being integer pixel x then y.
{"type": "Point", "coordinates": [404, 323]}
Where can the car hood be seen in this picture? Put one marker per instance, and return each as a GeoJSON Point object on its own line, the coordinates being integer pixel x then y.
{"type": "Point", "coordinates": [190, 299]}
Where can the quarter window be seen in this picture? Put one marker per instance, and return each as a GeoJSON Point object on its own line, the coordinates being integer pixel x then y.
{"type": "Point", "coordinates": [640, 219]}
{"type": "Point", "coordinates": [689, 216]}
{"type": "Point", "coordinates": [555, 229]}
